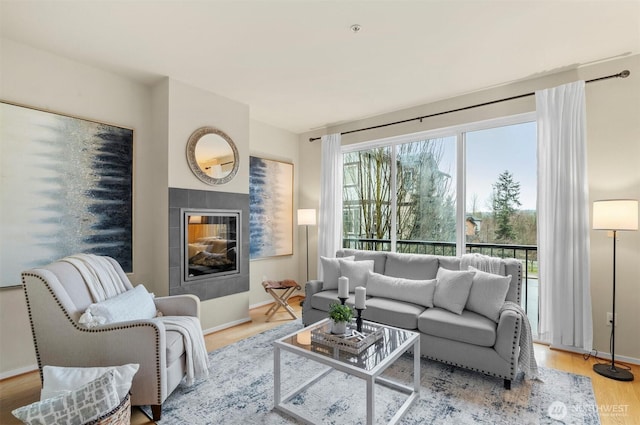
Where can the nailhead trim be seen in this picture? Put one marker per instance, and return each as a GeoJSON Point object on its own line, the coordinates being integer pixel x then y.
{"type": "Point", "coordinates": [82, 329]}
{"type": "Point", "coordinates": [470, 368]}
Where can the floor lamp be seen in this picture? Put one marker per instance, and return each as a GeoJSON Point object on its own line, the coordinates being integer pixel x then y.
{"type": "Point", "coordinates": [307, 217]}
{"type": "Point", "coordinates": [614, 215]}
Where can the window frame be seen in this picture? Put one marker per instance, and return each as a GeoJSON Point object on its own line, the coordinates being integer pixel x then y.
{"type": "Point", "coordinates": [459, 132]}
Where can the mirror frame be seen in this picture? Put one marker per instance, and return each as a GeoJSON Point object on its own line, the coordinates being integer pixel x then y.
{"type": "Point", "coordinates": [193, 164]}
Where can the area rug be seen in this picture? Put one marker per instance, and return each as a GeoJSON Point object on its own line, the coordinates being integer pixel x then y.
{"type": "Point", "coordinates": [239, 390]}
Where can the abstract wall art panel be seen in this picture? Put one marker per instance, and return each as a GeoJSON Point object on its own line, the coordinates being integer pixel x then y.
{"type": "Point", "coordinates": [66, 187]}
{"type": "Point", "coordinates": [270, 208]}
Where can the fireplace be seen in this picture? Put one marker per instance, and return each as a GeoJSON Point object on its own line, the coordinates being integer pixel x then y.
{"type": "Point", "coordinates": [210, 244]}
{"type": "Point", "coordinates": [208, 222]}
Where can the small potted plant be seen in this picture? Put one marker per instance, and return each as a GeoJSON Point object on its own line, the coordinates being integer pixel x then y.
{"type": "Point", "coordinates": [340, 315]}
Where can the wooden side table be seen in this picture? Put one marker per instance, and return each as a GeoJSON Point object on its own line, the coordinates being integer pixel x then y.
{"type": "Point", "coordinates": [286, 287]}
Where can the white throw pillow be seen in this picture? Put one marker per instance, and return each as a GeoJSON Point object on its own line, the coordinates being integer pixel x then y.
{"type": "Point", "coordinates": [452, 289]}
{"type": "Point", "coordinates": [488, 292]}
{"type": "Point", "coordinates": [134, 304]}
{"type": "Point", "coordinates": [356, 272]}
{"type": "Point", "coordinates": [58, 380]}
{"type": "Point", "coordinates": [331, 271]}
{"type": "Point", "coordinates": [80, 406]}
{"type": "Point", "coordinates": [412, 291]}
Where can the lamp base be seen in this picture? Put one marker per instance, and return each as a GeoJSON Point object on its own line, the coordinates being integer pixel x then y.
{"type": "Point", "coordinates": [610, 371]}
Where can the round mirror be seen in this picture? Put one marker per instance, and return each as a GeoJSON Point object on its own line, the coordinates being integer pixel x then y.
{"type": "Point", "coordinates": [212, 155]}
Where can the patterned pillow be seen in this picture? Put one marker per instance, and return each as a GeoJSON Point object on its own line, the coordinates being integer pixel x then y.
{"type": "Point", "coordinates": [77, 407]}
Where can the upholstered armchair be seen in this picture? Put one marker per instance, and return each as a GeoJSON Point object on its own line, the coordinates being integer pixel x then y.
{"type": "Point", "coordinates": [57, 295]}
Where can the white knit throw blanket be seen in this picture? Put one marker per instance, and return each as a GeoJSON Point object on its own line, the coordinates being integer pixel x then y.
{"type": "Point", "coordinates": [196, 351]}
{"type": "Point", "coordinates": [527, 359]}
{"type": "Point", "coordinates": [481, 262]}
{"type": "Point", "coordinates": [99, 275]}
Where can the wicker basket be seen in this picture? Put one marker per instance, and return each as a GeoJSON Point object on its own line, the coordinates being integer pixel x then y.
{"type": "Point", "coordinates": [120, 415]}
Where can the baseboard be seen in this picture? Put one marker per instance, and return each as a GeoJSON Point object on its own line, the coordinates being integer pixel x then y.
{"type": "Point", "coordinates": [19, 371]}
{"type": "Point", "coordinates": [260, 304]}
{"type": "Point", "coordinates": [600, 354]}
{"type": "Point", "coordinates": [226, 325]}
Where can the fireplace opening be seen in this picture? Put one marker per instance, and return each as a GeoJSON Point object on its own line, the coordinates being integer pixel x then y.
{"type": "Point", "coordinates": [211, 247]}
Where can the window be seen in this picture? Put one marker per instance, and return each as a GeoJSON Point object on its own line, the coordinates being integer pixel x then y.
{"type": "Point", "coordinates": [470, 188]}
{"type": "Point", "coordinates": [425, 194]}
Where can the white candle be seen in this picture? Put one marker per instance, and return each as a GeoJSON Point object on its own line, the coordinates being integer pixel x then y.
{"type": "Point", "coordinates": [361, 296]}
{"type": "Point", "coordinates": [343, 287]}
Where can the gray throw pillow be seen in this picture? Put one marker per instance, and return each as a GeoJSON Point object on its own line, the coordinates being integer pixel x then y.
{"type": "Point", "coordinates": [452, 289]}
{"type": "Point", "coordinates": [331, 271]}
{"type": "Point", "coordinates": [79, 406]}
{"type": "Point", "coordinates": [356, 271]}
{"type": "Point", "coordinates": [412, 291]}
{"type": "Point", "coordinates": [488, 292]}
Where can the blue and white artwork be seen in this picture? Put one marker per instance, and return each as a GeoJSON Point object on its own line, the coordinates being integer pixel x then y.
{"type": "Point", "coordinates": [66, 188]}
{"type": "Point", "coordinates": [270, 208]}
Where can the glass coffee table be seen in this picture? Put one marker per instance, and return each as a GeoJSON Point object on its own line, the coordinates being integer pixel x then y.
{"type": "Point", "coordinates": [389, 345]}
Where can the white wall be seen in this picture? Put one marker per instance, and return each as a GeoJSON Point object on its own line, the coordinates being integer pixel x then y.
{"type": "Point", "coordinates": [189, 109]}
{"type": "Point", "coordinates": [613, 131]}
{"type": "Point", "coordinates": [41, 80]}
{"type": "Point", "coordinates": [280, 145]}
{"type": "Point", "coordinates": [163, 117]}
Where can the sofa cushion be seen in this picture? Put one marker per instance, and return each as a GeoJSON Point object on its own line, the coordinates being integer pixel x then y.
{"type": "Point", "coordinates": [356, 272]}
{"type": "Point", "coordinates": [468, 327]}
{"type": "Point", "coordinates": [449, 263]}
{"type": "Point", "coordinates": [392, 312]}
{"type": "Point", "coordinates": [379, 257]}
{"type": "Point", "coordinates": [411, 266]}
{"type": "Point", "coordinates": [323, 299]}
{"type": "Point", "coordinates": [413, 291]}
{"type": "Point", "coordinates": [331, 271]}
{"type": "Point", "coordinates": [175, 346]}
{"type": "Point", "coordinates": [452, 289]}
{"type": "Point", "coordinates": [488, 292]}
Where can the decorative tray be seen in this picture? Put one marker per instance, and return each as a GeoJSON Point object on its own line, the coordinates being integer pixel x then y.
{"type": "Point", "coordinates": [352, 342]}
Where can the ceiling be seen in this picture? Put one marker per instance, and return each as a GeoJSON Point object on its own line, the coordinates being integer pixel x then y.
{"type": "Point", "coordinates": [298, 65]}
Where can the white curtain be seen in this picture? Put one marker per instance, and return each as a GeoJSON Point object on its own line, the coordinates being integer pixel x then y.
{"type": "Point", "coordinates": [563, 217]}
{"type": "Point", "coordinates": [330, 214]}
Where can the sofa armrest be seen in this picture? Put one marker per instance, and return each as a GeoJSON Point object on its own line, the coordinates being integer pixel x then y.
{"type": "Point", "coordinates": [508, 335]}
{"type": "Point", "coordinates": [137, 341]}
{"type": "Point", "coordinates": [310, 288]}
{"type": "Point", "coordinates": [179, 305]}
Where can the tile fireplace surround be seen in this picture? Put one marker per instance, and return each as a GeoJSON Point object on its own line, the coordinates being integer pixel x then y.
{"type": "Point", "coordinates": [213, 287]}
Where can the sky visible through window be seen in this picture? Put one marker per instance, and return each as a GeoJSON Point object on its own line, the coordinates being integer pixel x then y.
{"type": "Point", "coordinates": [493, 151]}
{"type": "Point", "coordinates": [490, 152]}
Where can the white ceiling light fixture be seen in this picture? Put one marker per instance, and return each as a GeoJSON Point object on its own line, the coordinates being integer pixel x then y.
{"type": "Point", "coordinates": [355, 28]}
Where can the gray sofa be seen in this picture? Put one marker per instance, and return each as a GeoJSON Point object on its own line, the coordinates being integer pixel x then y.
{"type": "Point", "coordinates": [468, 340]}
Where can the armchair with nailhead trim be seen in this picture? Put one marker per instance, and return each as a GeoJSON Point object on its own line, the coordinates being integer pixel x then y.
{"type": "Point", "coordinates": [57, 296]}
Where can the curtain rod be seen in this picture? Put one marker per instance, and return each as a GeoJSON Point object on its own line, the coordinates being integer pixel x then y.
{"type": "Point", "coordinates": [622, 74]}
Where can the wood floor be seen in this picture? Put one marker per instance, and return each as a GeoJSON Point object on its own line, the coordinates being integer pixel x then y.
{"type": "Point", "coordinates": [618, 402]}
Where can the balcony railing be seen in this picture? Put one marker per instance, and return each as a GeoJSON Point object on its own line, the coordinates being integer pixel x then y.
{"type": "Point", "coordinates": [527, 254]}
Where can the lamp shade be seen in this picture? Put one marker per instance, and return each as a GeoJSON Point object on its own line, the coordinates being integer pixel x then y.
{"type": "Point", "coordinates": [615, 214]}
{"type": "Point", "coordinates": [307, 217]}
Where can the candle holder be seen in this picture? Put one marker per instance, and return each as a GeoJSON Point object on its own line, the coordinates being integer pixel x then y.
{"type": "Point", "coordinates": [359, 319]}
{"type": "Point", "coordinates": [343, 300]}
